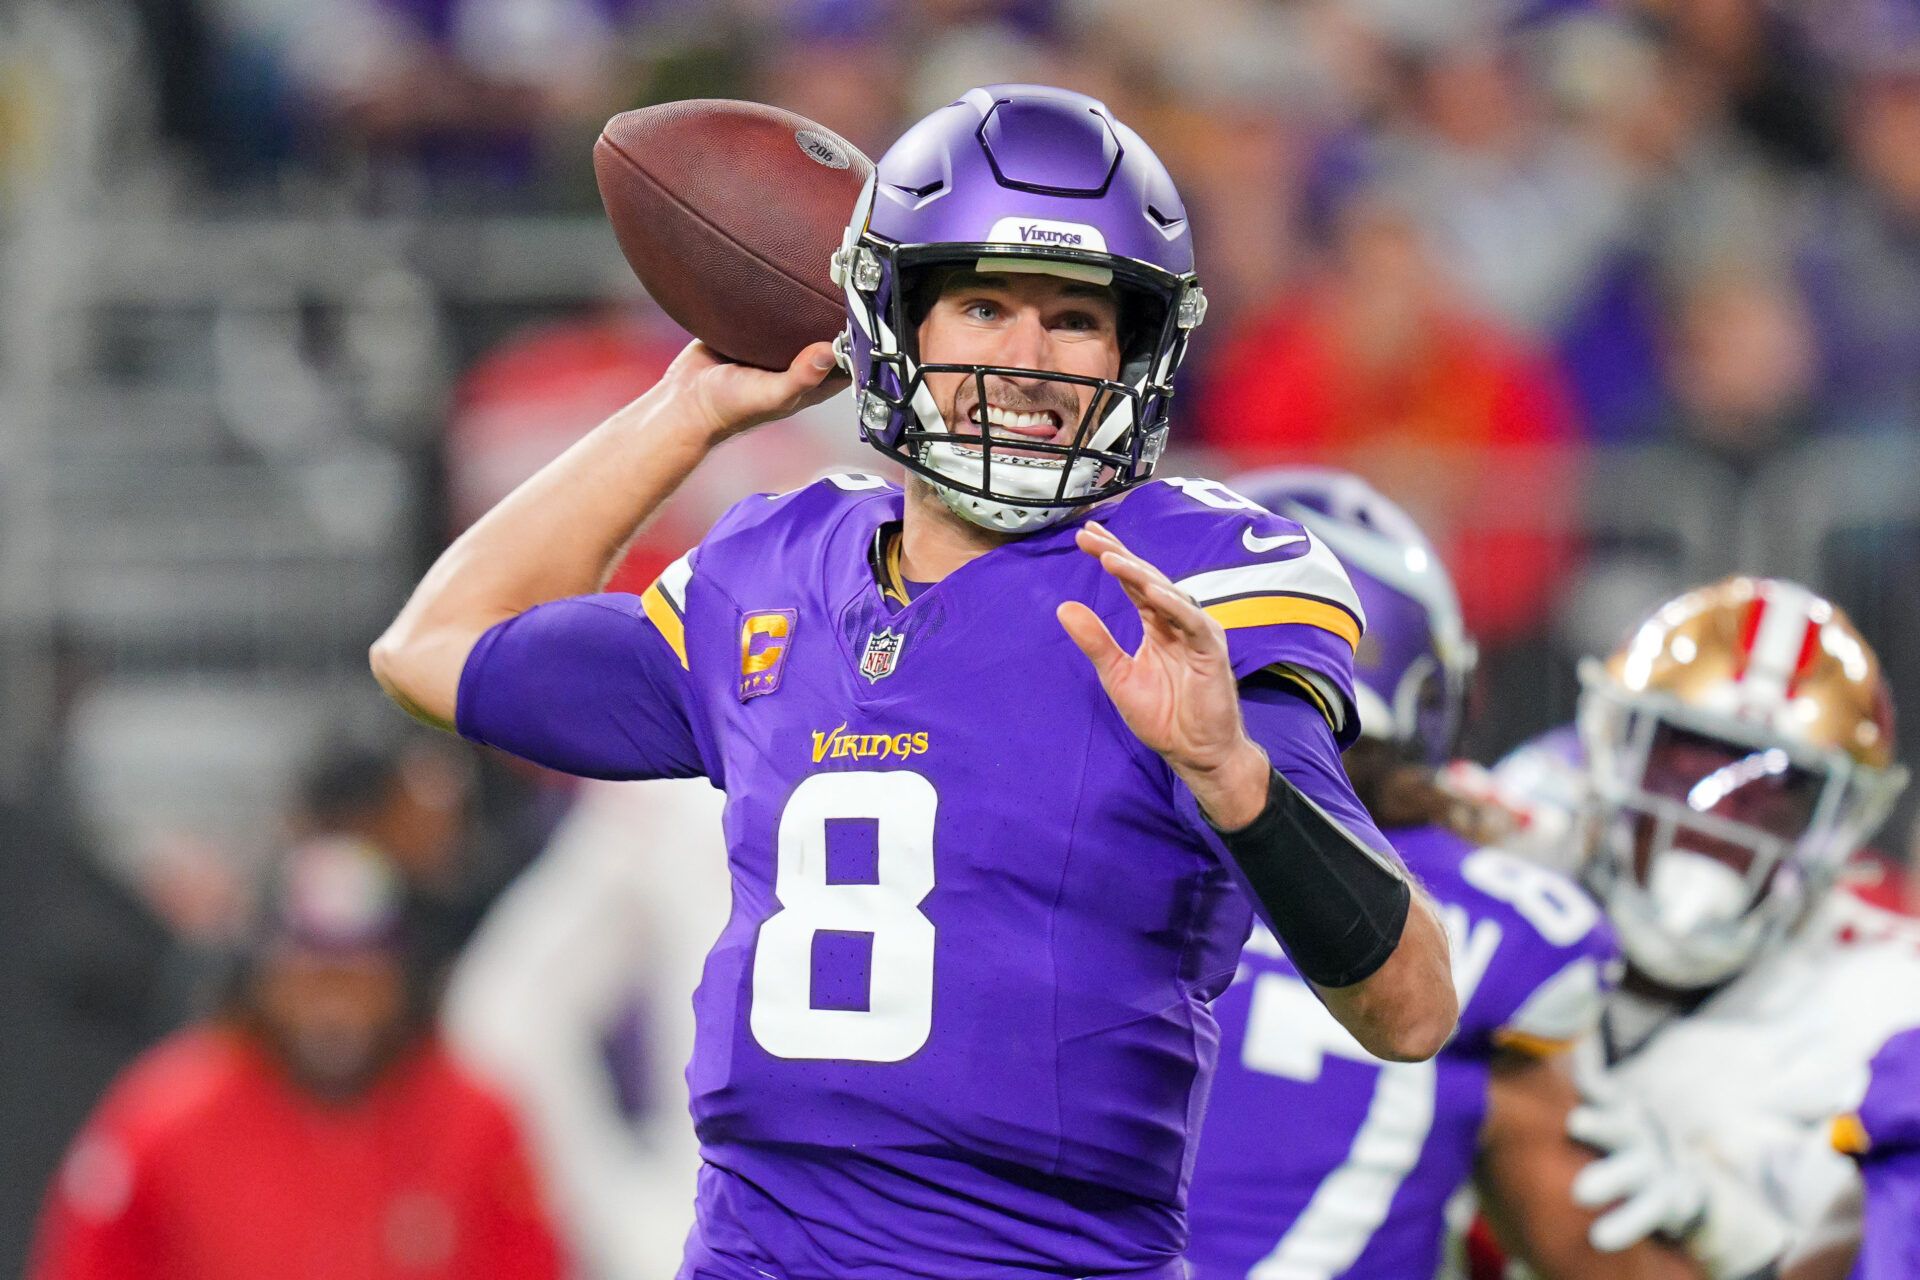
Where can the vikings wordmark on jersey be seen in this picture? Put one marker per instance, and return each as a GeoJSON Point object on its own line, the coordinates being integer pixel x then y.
{"type": "Point", "coordinates": [957, 1025]}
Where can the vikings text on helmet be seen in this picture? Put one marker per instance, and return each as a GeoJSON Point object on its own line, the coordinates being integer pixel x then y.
{"type": "Point", "coordinates": [1019, 178]}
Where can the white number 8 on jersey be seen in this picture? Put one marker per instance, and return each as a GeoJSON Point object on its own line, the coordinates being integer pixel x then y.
{"type": "Point", "coordinates": [899, 1013]}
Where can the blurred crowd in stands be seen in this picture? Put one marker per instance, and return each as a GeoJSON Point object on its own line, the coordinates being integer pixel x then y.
{"type": "Point", "coordinates": [1614, 297]}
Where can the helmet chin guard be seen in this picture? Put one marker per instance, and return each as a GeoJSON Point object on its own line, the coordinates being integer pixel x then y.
{"type": "Point", "coordinates": [1019, 179]}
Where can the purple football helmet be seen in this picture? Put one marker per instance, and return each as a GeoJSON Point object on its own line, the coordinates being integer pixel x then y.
{"type": "Point", "coordinates": [1413, 665]}
{"type": "Point", "coordinates": [1019, 178]}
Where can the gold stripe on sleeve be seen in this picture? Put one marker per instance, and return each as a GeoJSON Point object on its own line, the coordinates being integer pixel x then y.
{"type": "Point", "coordinates": [1267, 611]}
{"type": "Point", "coordinates": [1531, 1045]}
{"type": "Point", "coordinates": [1305, 686]}
{"type": "Point", "coordinates": [666, 621]}
{"type": "Point", "coordinates": [1849, 1136]}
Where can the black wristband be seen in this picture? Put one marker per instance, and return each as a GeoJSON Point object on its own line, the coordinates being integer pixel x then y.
{"type": "Point", "coordinates": [1337, 906]}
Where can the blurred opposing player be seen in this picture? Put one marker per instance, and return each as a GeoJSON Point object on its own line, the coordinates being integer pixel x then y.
{"type": "Point", "coordinates": [1362, 1189]}
{"type": "Point", "coordinates": [1737, 751]}
{"type": "Point", "coordinates": [984, 858]}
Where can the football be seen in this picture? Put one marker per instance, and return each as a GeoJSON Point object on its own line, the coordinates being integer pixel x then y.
{"type": "Point", "coordinates": [728, 212]}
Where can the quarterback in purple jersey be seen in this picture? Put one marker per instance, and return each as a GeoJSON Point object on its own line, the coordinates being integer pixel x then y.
{"type": "Point", "coordinates": [1011, 755]}
{"type": "Point", "coordinates": [1363, 1191]}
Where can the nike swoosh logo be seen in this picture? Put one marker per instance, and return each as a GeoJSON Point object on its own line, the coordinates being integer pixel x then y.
{"type": "Point", "coordinates": [1260, 546]}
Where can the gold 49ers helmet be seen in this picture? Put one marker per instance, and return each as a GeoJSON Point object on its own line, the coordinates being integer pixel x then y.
{"type": "Point", "coordinates": [1740, 748]}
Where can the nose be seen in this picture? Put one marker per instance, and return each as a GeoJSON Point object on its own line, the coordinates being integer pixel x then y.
{"type": "Point", "coordinates": [1028, 341]}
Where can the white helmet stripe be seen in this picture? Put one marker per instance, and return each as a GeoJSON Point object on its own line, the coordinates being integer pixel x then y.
{"type": "Point", "coordinates": [1785, 613]}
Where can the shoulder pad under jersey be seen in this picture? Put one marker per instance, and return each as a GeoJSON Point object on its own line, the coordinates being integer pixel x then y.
{"type": "Point", "coordinates": [753, 529]}
{"type": "Point", "coordinates": [1279, 593]}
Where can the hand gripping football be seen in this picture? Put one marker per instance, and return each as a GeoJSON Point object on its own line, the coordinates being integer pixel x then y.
{"type": "Point", "coordinates": [728, 212]}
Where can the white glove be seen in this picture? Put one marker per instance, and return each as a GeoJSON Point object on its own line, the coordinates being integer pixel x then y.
{"type": "Point", "coordinates": [1652, 1192]}
{"type": "Point", "coordinates": [1657, 1187]}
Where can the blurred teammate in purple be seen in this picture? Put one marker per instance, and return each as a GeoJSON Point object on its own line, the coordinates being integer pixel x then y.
{"type": "Point", "coordinates": [1003, 780]}
{"type": "Point", "coordinates": [1875, 1227]}
{"type": "Point", "coordinates": [1363, 1191]}
{"type": "Point", "coordinates": [1885, 1139]}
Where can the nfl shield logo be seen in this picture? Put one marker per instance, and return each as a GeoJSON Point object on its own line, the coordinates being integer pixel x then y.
{"type": "Point", "coordinates": [882, 655]}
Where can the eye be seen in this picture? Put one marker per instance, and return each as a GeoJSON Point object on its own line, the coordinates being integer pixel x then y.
{"type": "Point", "coordinates": [981, 309]}
{"type": "Point", "coordinates": [1080, 322]}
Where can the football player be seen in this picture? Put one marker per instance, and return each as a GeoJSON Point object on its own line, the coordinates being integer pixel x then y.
{"type": "Point", "coordinates": [1876, 1223]}
{"type": "Point", "coordinates": [1003, 778]}
{"type": "Point", "coordinates": [1363, 1191]}
{"type": "Point", "coordinates": [1736, 751]}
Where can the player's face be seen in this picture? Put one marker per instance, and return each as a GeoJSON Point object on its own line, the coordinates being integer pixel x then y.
{"type": "Point", "coordinates": [1758, 789]}
{"type": "Point", "coordinates": [1021, 321]}
{"type": "Point", "coordinates": [333, 1019]}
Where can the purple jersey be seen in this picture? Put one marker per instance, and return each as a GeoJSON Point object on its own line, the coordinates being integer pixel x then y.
{"type": "Point", "coordinates": [957, 1023]}
{"type": "Point", "coordinates": [1362, 1190]}
{"type": "Point", "coordinates": [1887, 1126]}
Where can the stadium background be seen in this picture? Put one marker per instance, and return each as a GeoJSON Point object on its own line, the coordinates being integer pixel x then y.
{"type": "Point", "coordinates": [1616, 297]}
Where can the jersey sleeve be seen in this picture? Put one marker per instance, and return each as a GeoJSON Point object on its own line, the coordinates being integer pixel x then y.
{"type": "Point", "coordinates": [1888, 1119]}
{"type": "Point", "coordinates": [1291, 728]}
{"type": "Point", "coordinates": [1276, 590]}
{"type": "Point", "coordinates": [611, 685]}
{"type": "Point", "coordinates": [595, 686]}
{"type": "Point", "coordinates": [1533, 954]}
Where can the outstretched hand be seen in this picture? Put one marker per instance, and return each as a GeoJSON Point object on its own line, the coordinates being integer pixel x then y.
{"type": "Point", "coordinates": [1176, 691]}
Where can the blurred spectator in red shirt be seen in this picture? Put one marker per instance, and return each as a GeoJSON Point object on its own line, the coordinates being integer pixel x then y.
{"type": "Point", "coordinates": [1377, 366]}
{"type": "Point", "coordinates": [317, 1131]}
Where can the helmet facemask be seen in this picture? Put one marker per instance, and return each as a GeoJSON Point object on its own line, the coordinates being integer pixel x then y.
{"type": "Point", "coordinates": [1012, 483]}
{"type": "Point", "coordinates": [1713, 836]}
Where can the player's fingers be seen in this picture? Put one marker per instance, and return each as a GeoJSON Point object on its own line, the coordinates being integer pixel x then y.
{"type": "Point", "coordinates": [813, 375]}
{"type": "Point", "coordinates": [1130, 574]}
{"type": "Point", "coordinates": [1097, 542]}
{"type": "Point", "coordinates": [1103, 534]}
{"type": "Point", "coordinates": [1601, 1127]}
{"type": "Point", "coordinates": [1084, 628]}
{"type": "Point", "coordinates": [1182, 614]}
{"type": "Point", "coordinates": [1142, 592]}
{"type": "Point", "coordinates": [1628, 1225]}
{"type": "Point", "coordinates": [1170, 611]}
{"type": "Point", "coordinates": [813, 363]}
{"type": "Point", "coordinates": [1613, 1179]}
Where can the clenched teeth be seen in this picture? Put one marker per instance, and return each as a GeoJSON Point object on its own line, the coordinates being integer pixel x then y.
{"type": "Point", "coordinates": [1007, 418]}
